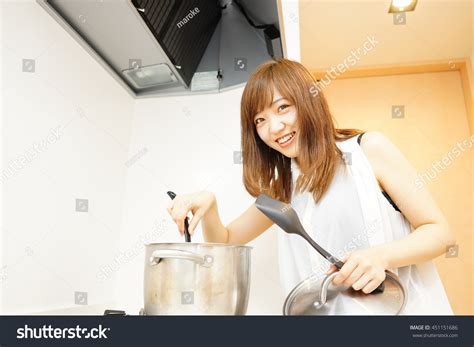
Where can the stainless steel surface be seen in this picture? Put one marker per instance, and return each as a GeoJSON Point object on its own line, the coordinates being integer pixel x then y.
{"type": "Point", "coordinates": [196, 279]}
{"type": "Point", "coordinates": [113, 33]}
{"type": "Point", "coordinates": [160, 254]}
{"type": "Point", "coordinates": [91, 24]}
{"type": "Point", "coordinates": [316, 296]}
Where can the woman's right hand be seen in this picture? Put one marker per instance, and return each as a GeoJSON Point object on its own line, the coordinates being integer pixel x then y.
{"type": "Point", "coordinates": [197, 203]}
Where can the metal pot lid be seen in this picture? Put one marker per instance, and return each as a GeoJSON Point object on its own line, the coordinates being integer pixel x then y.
{"type": "Point", "coordinates": [318, 296]}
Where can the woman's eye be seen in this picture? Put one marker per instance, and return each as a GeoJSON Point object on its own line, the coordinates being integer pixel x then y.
{"type": "Point", "coordinates": [282, 107]}
{"type": "Point", "coordinates": [258, 120]}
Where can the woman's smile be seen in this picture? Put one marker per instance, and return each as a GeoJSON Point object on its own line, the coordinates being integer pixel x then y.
{"type": "Point", "coordinates": [286, 140]}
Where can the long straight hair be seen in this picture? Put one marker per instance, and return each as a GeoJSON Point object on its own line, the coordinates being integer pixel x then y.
{"type": "Point", "coordinates": [265, 170]}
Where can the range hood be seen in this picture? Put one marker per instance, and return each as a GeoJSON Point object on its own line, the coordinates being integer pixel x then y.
{"type": "Point", "coordinates": [169, 47]}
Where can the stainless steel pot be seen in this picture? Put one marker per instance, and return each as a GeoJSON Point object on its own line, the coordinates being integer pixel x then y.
{"type": "Point", "coordinates": [196, 279]}
{"type": "Point", "coordinates": [314, 296]}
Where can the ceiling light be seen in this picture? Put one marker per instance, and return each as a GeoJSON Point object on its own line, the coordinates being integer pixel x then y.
{"type": "Point", "coordinates": [402, 6]}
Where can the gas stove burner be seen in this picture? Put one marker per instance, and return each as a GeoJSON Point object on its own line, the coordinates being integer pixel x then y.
{"type": "Point", "coordinates": [114, 313]}
{"type": "Point", "coordinates": [121, 313]}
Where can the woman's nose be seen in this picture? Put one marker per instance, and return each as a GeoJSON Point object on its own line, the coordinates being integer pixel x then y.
{"type": "Point", "coordinates": [276, 125]}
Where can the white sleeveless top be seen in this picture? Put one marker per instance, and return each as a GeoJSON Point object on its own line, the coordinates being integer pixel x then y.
{"type": "Point", "coordinates": [354, 214]}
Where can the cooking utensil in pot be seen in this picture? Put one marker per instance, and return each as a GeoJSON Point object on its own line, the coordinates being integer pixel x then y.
{"type": "Point", "coordinates": [187, 235]}
{"type": "Point", "coordinates": [196, 279]}
{"type": "Point", "coordinates": [316, 296]}
{"type": "Point", "coordinates": [286, 218]}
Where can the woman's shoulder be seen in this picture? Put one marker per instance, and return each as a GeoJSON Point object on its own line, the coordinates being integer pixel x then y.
{"type": "Point", "coordinates": [380, 151]}
{"type": "Point", "coordinates": [375, 144]}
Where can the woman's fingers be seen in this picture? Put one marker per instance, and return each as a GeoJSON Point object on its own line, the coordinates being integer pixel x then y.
{"type": "Point", "coordinates": [370, 287]}
{"type": "Point", "coordinates": [362, 282]}
{"type": "Point", "coordinates": [360, 271]}
{"type": "Point", "coordinates": [196, 218]}
{"type": "Point", "coordinates": [172, 213]}
{"type": "Point", "coordinates": [178, 211]}
{"type": "Point", "coordinates": [331, 269]}
{"type": "Point", "coordinates": [354, 276]}
{"type": "Point", "coordinates": [196, 203]}
{"type": "Point", "coordinates": [345, 272]}
{"type": "Point", "coordinates": [180, 217]}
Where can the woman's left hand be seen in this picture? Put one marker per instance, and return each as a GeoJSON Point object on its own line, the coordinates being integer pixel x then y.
{"type": "Point", "coordinates": [363, 269]}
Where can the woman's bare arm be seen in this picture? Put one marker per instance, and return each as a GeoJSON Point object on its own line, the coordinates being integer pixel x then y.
{"type": "Point", "coordinates": [365, 269]}
{"type": "Point", "coordinates": [431, 235]}
{"type": "Point", "coordinates": [203, 206]}
{"type": "Point", "coordinates": [242, 230]}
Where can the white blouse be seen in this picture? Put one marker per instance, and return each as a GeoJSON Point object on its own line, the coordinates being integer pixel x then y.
{"type": "Point", "coordinates": [354, 214]}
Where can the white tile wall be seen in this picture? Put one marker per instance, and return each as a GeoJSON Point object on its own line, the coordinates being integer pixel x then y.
{"type": "Point", "coordinates": [65, 135]}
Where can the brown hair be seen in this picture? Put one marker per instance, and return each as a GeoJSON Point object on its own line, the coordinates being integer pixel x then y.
{"type": "Point", "coordinates": [266, 170]}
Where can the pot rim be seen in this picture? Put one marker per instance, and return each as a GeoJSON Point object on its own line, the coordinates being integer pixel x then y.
{"type": "Point", "coordinates": [205, 244]}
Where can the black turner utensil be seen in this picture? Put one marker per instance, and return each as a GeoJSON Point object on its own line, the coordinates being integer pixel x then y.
{"type": "Point", "coordinates": [286, 218]}
{"type": "Point", "coordinates": [187, 235]}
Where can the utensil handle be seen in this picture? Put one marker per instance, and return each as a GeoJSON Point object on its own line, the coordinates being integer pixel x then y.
{"type": "Point", "coordinates": [187, 235]}
{"type": "Point", "coordinates": [160, 254]}
{"type": "Point", "coordinates": [328, 256]}
{"type": "Point", "coordinates": [379, 289]}
{"type": "Point", "coordinates": [333, 260]}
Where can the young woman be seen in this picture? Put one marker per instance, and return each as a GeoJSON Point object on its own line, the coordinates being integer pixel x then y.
{"type": "Point", "coordinates": [355, 193]}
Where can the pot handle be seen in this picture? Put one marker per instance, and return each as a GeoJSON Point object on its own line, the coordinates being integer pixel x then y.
{"type": "Point", "coordinates": [324, 289]}
{"type": "Point", "coordinates": [160, 254]}
{"type": "Point", "coordinates": [328, 280]}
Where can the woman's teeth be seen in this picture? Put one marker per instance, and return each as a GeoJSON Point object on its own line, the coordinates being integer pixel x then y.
{"type": "Point", "coordinates": [285, 138]}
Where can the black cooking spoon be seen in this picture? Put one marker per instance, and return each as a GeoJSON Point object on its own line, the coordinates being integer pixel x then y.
{"type": "Point", "coordinates": [187, 235]}
{"type": "Point", "coordinates": [286, 218]}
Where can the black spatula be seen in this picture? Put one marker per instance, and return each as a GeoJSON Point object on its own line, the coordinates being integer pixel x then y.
{"type": "Point", "coordinates": [286, 218]}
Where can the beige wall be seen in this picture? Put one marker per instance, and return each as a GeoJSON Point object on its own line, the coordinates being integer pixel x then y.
{"type": "Point", "coordinates": [331, 30]}
{"type": "Point", "coordinates": [435, 120]}
{"type": "Point", "coordinates": [472, 154]}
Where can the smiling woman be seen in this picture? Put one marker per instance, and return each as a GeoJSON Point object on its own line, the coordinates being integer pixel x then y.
{"type": "Point", "coordinates": [354, 194]}
{"type": "Point", "coordinates": [272, 133]}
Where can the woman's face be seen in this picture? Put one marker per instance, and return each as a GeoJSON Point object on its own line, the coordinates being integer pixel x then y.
{"type": "Point", "coordinates": [276, 126]}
